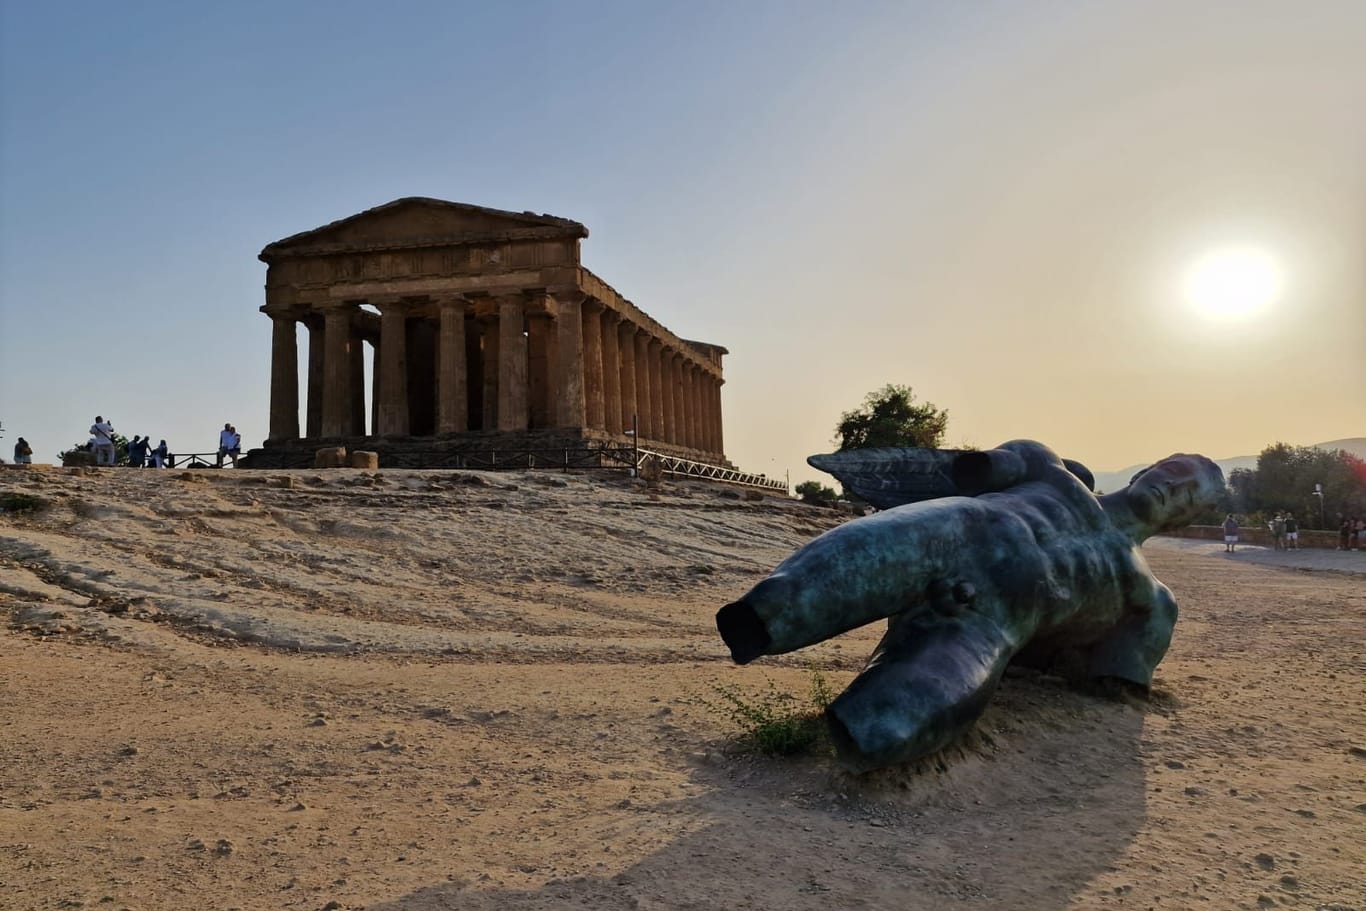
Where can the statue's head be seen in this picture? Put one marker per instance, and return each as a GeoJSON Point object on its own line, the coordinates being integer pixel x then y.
{"type": "Point", "coordinates": [1174, 491]}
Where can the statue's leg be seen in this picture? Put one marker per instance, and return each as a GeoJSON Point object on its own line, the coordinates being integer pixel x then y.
{"type": "Point", "coordinates": [1131, 651]}
{"type": "Point", "coordinates": [926, 684]}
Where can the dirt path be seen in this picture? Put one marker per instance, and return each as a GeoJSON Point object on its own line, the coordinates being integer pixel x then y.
{"type": "Point", "coordinates": [418, 691]}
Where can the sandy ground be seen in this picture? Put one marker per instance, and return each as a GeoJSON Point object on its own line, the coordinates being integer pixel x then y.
{"type": "Point", "coordinates": [412, 691]}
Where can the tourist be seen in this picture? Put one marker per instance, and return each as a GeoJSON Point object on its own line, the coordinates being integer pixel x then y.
{"type": "Point", "coordinates": [229, 444]}
{"type": "Point", "coordinates": [102, 434]}
{"type": "Point", "coordinates": [137, 451]}
{"type": "Point", "coordinates": [160, 455]}
{"type": "Point", "coordinates": [1230, 533]}
{"type": "Point", "coordinates": [1292, 532]}
{"type": "Point", "coordinates": [1359, 538]}
{"type": "Point", "coordinates": [1345, 534]}
{"type": "Point", "coordinates": [1278, 531]}
{"type": "Point", "coordinates": [23, 452]}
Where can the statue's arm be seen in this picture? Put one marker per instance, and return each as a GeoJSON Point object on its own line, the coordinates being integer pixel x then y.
{"type": "Point", "coordinates": [1133, 649]}
{"type": "Point", "coordinates": [927, 682]}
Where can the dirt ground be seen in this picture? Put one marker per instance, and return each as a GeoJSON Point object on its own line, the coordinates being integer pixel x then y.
{"type": "Point", "coordinates": [410, 691]}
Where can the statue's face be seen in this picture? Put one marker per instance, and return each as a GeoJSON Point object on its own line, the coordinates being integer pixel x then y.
{"type": "Point", "coordinates": [1174, 491]}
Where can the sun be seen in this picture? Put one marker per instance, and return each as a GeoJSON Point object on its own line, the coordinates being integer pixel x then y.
{"type": "Point", "coordinates": [1233, 284]}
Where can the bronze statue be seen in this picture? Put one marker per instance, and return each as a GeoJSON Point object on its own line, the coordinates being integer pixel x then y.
{"type": "Point", "coordinates": [979, 560]}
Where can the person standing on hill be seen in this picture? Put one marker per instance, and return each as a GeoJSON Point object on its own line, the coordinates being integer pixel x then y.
{"type": "Point", "coordinates": [1278, 531]}
{"type": "Point", "coordinates": [159, 455]}
{"type": "Point", "coordinates": [1230, 533]}
{"type": "Point", "coordinates": [137, 451]}
{"type": "Point", "coordinates": [23, 452]}
{"type": "Point", "coordinates": [229, 444]}
{"type": "Point", "coordinates": [102, 434]}
{"type": "Point", "coordinates": [1292, 532]}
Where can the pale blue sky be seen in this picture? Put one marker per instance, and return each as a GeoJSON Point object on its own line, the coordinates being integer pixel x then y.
{"type": "Point", "coordinates": [992, 203]}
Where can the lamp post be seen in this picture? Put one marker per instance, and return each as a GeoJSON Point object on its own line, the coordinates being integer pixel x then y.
{"type": "Point", "coordinates": [1318, 492]}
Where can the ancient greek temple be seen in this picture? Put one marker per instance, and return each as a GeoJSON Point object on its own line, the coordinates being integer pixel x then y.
{"type": "Point", "coordinates": [484, 330]}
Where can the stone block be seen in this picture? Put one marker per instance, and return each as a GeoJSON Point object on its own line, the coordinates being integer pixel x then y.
{"type": "Point", "coordinates": [330, 457]}
{"type": "Point", "coordinates": [363, 459]}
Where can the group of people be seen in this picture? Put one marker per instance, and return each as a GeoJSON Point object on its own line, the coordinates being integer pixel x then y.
{"type": "Point", "coordinates": [1285, 531]}
{"type": "Point", "coordinates": [23, 452]}
{"type": "Point", "coordinates": [1352, 534]}
{"type": "Point", "coordinates": [141, 454]}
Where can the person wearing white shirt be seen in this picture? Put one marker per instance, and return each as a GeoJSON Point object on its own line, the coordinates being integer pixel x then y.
{"type": "Point", "coordinates": [102, 432]}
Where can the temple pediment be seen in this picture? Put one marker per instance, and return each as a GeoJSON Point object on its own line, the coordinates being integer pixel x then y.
{"type": "Point", "coordinates": [421, 222]}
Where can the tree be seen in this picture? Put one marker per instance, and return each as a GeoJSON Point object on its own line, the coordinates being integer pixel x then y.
{"type": "Point", "coordinates": [816, 493]}
{"type": "Point", "coordinates": [1284, 480]}
{"type": "Point", "coordinates": [891, 417]}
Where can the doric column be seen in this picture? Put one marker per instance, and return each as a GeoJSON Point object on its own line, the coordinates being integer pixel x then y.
{"type": "Point", "coordinates": [512, 364]}
{"type": "Point", "coordinates": [592, 363]}
{"type": "Point", "coordinates": [626, 374]}
{"type": "Point", "coordinates": [668, 374]}
{"type": "Point", "coordinates": [611, 373]}
{"type": "Point", "coordinates": [694, 385]}
{"type": "Point", "coordinates": [313, 420]}
{"type": "Point", "coordinates": [657, 396]}
{"type": "Point", "coordinates": [357, 383]}
{"type": "Point", "coordinates": [452, 385]}
{"type": "Point", "coordinates": [391, 384]}
{"type": "Point", "coordinates": [489, 333]}
{"type": "Point", "coordinates": [571, 405]}
{"type": "Point", "coordinates": [680, 403]}
{"type": "Point", "coordinates": [284, 378]}
{"type": "Point", "coordinates": [336, 419]}
{"type": "Point", "coordinates": [644, 410]}
{"type": "Point", "coordinates": [718, 438]}
{"type": "Point", "coordinates": [709, 411]}
{"type": "Point", "coordinates": [542, 345]}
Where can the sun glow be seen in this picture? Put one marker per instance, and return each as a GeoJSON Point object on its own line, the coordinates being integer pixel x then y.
{"type": "Point", "coordinates": [1233, 284]}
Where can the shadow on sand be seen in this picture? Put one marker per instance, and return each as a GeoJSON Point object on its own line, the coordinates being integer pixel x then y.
{"type": "Point", "coordinates": [1047, 793]}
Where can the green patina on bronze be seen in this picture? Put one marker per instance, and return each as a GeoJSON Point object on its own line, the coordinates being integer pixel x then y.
{"type": "Point", "coordinates": [1031, 568]}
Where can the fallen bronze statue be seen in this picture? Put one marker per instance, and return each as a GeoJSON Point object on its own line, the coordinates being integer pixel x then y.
{"type": "Point", "coordinates": [978, 560]}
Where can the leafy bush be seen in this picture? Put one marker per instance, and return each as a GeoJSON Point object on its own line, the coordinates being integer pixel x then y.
{"type": "Point", "coordinates": [816, 493]}
{"type": "Point", "coordinates": [890, 417]}
{"type": "Point", "coordinates": [773, 722]}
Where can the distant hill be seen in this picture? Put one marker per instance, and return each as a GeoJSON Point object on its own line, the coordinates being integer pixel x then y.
{"type": "Point", "coordinates": [1110, 481]}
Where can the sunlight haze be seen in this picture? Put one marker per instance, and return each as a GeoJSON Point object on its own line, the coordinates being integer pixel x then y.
{"type": "Point", "coordinates": [1122, 229]}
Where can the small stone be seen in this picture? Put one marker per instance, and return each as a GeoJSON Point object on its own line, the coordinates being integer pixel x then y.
{"type": "Point", "coordinates": [1265, 861]}
{"type": "Point", "coordinates": [1195, 792]}
{"type": "Point", "coordinates": [1174, 764]}
{"type": "Point", "coordinates": [1289, 882]}
{"type": "Point", "coordinates": [224, 847]}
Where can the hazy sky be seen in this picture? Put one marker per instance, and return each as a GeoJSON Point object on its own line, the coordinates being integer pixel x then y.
{"type": "Point", "coordinates": [996, 204]}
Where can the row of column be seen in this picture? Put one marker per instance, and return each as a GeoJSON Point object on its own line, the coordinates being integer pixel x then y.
{"type": "Point", "coordinates": [577, 364]}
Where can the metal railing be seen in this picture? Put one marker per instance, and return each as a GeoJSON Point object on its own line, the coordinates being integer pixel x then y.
{"type": "Point", "coordinates": [688, 468]}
